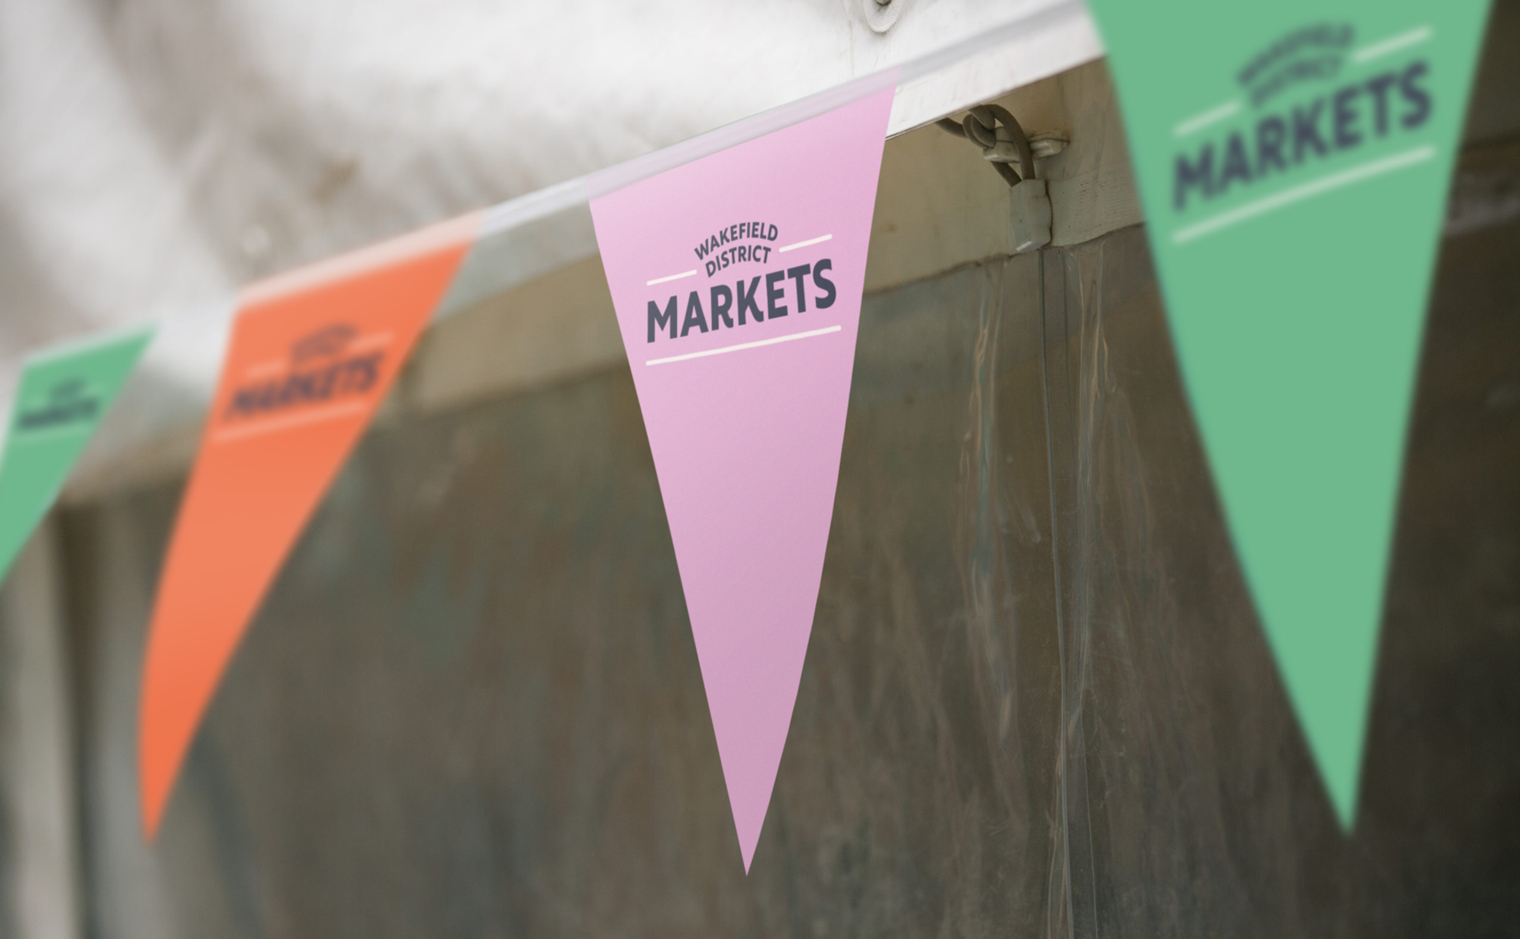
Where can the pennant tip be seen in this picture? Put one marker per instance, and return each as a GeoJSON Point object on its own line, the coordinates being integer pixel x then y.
{"type": "Point", "coordinates": [152, 812]}
{"type": "Point", "coordinates": [747, 843]}
{"type": "Point", "coordinates": [749, 821]}
{"type": "Point", "coordinates": [158, 759]}
{"type": "Point", "coordinates": [1339, 769]}
{"type": "Point", "coordinates": [1343, 791]}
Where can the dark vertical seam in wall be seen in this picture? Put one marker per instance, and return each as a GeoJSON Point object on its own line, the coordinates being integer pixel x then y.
{"type": "Point", "coordinates": [1082, 456]}
{"type": "Point", "coordinates": [1055, 556]}
{"type": "Point", "coordinates": [78, 531]}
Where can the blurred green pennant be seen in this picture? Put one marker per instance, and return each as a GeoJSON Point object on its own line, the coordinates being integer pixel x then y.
{"type": "Point", "coordinates": [62, 396]}
{"type": "Point", "coordinates": [1293, 161]}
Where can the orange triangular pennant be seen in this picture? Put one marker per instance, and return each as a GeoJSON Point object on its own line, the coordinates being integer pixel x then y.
{"type": "Point", "coordinates": [311, 357]}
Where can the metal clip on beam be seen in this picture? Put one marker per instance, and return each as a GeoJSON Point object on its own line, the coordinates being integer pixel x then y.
{"type": "Point", "coordinates": [1004, 144]}
{"type": "Point", "coordinates": [1001, 146]}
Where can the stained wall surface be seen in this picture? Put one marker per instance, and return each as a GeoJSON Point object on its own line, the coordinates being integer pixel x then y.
{"type": "Point", "coordinates": [1036, 698]}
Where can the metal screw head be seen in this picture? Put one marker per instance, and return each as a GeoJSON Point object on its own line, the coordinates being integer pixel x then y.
{"type": "Point", "coordinates": [881, 14]}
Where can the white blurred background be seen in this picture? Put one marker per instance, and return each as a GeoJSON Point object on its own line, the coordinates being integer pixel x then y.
{"type": "Point", "coordinates": [155, 154]}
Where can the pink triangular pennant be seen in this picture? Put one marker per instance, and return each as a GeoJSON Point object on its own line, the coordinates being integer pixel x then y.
{"type": "Point", "coordinates": [737, 281]}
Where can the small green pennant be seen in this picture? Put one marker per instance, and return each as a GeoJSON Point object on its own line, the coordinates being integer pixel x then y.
{"type": "Point", "coordinates": [60, 401]}
{"type": "Point", "coordinates": [1293, 160]}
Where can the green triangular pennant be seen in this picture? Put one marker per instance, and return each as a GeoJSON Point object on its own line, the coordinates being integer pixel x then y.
{"type": "Point", "coordinates": [1293, 160]}
{"type": "Point", "coordinates": [62, 396]}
